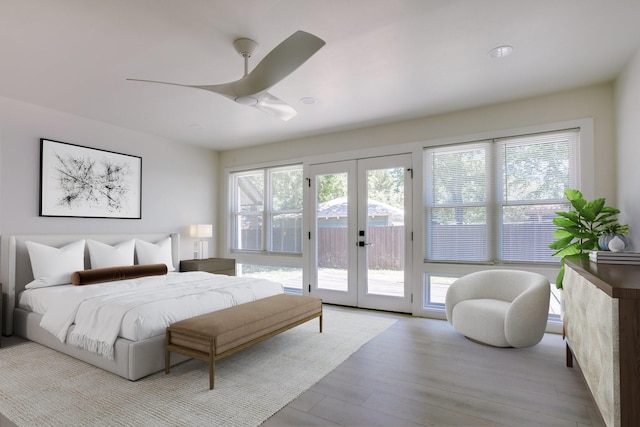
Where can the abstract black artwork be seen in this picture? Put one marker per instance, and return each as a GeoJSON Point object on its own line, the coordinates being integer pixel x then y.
{"type": "Point", "coordinates": [77, 181]}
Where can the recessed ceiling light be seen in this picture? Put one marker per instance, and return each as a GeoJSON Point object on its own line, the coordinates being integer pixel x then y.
{"type": "Point", "coordinates": [500, 52]}
{"type": "Point", "coordinates": [308, 100]}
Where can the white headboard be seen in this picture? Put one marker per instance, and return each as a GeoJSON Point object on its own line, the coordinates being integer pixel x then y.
{"type": "Point", "coordinates": [15, 266]}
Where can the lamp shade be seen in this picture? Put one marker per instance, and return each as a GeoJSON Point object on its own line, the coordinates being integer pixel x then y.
{"type": "Point", "coordinates": [201, 230]}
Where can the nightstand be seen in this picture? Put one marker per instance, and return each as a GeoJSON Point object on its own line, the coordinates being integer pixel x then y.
{"type": "Point", "coordinates": [211, 265]}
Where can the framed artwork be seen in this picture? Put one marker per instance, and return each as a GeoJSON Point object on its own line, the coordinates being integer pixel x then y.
{"type": "Point", "coordinates": [77, 181]}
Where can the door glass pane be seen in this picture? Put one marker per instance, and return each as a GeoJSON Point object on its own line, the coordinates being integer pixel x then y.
{"type": "Point", "coordinates": [385, 232]}
{"type": "Point", "coordinates": [332, 215]}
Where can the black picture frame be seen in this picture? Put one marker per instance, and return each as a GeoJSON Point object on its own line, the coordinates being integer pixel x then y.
{"type": "Point", "coordinates": [85, 182]}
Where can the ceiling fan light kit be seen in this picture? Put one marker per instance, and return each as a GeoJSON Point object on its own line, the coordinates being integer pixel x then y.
{"type": "Point", "coordinates": [246, 100]}
{"type": "Point", "coordinates": [252, 88]}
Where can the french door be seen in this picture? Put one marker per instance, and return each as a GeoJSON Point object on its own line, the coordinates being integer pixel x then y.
{"type": "Point", "coordinates": [360, 237]}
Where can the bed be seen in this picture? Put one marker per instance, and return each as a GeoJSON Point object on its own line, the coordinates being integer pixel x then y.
{"type": "Point", "coordinates": [133, 355]}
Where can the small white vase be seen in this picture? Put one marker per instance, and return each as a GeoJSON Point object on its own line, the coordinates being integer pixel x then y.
{"type": "Point", "coordinates": [617, 244]}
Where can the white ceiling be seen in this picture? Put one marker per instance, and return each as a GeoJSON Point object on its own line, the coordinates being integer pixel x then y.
{"type": "Point", "coordinates": [384, 61]}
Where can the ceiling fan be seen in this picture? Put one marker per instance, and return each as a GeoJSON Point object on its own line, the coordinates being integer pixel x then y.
{"type": "Point", "coordinates": [252, 88]}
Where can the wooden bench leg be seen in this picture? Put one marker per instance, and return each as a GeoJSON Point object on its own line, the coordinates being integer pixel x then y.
{"type": "Point", "coordinates": [167, 362]}
{"type": "Point", "coordinates": [212, 369]}
{"type": "Point", "coordinates": [212, 366]}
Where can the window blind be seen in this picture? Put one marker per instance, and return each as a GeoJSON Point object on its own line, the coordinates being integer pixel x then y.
{"type": "Point", "coordinates": [495, 200]}
{"type": "Point", "coordinates": [456, 211]}
{"type": "Point", "coordinates": [534, 170]}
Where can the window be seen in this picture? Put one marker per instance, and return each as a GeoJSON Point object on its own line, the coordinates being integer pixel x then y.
{"type": "Point", "coordinates": [456, 202]}
{"type": "Point", "coordinates": [266, 210]}
{"type": "Point", "coordinates": [495, 200]}
{"type": "Point", "coordinates": [290, 277]}
{"type": "Point", "coordinates": [436, 288]}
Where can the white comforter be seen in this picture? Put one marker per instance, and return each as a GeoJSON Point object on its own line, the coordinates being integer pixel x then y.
{"type": "Point", "coordinates": [137, 309]}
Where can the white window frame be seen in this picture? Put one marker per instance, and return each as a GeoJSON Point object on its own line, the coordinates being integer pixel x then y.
{"type": "Point", "coordinates": [267, 213]}
{"type": "Point", "coordinates": [493, 197]}
{"type": "Point", "coordinates": [420, 268]}
{"type": "Point", "coordinates": [586, 180]}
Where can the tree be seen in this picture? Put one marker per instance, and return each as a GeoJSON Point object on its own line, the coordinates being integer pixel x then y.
{"type": "Point", "coordinates": [458, 179]}
{"type": "Point", "coordinates": [286, 189]}
{"type": "Point", "coordinates": [387, 185]}
{"type": "Point", "coordinates": [331, 186]}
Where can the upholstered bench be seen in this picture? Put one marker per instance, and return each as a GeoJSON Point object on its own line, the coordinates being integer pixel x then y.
{"type": "Point", "coordinates": [219, 334]}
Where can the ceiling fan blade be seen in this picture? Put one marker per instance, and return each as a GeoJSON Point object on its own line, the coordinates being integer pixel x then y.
{"type": "Point", "coordinates": [224, 89]}
{"type": "Point", "coordinates": [275, 107]}
{"type": "Point", "coordinates": [252, 88]}
{"type": "Point", "coordinates": [279, 63]}
{"type": "Point", "coordinates": [155, 81]}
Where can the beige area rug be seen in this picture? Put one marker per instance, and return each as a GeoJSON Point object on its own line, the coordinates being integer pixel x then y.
{"type": "Point", "coordinates": [41, 387]}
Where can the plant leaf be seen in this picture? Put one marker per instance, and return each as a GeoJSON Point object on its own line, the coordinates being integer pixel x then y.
{"type": "Point", "coordinates": [563, 222]}
{"type": "Point", "coordinates": [583, 234]}
{"type": "Point", "coordinates": [560, 277]}
{"type": "Point", "coordinates": [576, 199]}
{"type": "Point", "coordinates": [569, 250]}
{"type": "Point", "coordinates": [561, 233]}
{"type": "Point", "coordinates": [609, 209]}
{"type": "Point", "coordinates": [593, 208]}
{"type": "Point", "coordinates": [588, 245]}
{"type": "Point", "coordinates": [562, 243]}
{"type": "Point", "coordinates": [573, 194]}
{"type": "Point", "coordinates": [572, 215]}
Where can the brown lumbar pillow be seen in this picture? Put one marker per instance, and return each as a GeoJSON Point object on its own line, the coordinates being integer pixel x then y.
{"type": "Point", "coordinates": [110, 274]}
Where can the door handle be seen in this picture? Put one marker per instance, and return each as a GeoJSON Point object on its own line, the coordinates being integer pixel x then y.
{"type": "Point", "coordinates": [362, 244]}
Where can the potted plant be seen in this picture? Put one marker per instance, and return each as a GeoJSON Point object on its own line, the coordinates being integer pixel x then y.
{"type": "Point", "coordinates": [580, 228]}
{"type": "Point", "coordinates": [610, 231]}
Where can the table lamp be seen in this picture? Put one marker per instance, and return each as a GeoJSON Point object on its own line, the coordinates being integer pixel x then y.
{"type": "Point", "coordinates": [201, 247]}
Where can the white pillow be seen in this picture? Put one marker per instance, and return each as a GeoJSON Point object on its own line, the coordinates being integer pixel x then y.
{"type": "Point", "coordinates": [53, 266]}
{"type": "Point", "coordinates": [155, 253]}
{"type": "Point", "coordinates": [103, 255]}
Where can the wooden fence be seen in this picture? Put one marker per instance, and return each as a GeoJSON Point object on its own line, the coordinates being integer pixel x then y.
{"type": "Point", "coordinates": [453, 242]}
{"type": "Point", "coordinates": [386, 249]}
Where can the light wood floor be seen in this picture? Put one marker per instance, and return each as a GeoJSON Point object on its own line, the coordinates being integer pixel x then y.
{"type": "Point", "coordinates": [420, 372]}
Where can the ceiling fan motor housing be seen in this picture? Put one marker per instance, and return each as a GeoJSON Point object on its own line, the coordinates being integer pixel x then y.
{"type": "Point", "coordinates": [245, 47]}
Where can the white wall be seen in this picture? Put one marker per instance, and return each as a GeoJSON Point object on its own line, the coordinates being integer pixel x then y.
{"type": "Point", "coordinates": [627, 91]}
{"type": "Point", "coordinates": [592, 102]}
{"type": "Point", "coordinates": [178, 181]}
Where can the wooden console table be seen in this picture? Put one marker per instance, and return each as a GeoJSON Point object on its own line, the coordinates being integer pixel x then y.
{"type": "Point", "coordinates": [1, 315]}
{"type": "Point", "coordinates": [602, 325]}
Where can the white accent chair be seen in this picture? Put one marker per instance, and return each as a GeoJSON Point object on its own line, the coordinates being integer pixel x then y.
{"type": "Point", "coordinates": [502, 308]}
